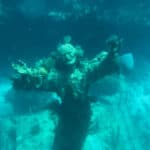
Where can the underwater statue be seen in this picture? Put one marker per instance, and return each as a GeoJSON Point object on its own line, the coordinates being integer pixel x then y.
{"type": "Point", "coordinates": [70, 75]}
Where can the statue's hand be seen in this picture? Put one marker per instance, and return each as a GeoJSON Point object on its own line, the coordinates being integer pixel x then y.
{"type": "Point", "coordinates": [21, 67]}
{"type": "Point", "coordinates": [114, 44]}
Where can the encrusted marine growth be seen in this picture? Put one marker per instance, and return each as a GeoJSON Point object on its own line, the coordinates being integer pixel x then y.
{"type": "Point", "coordinates": [65, 67]}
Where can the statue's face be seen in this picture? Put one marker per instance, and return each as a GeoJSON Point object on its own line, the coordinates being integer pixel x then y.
{"type": "Point", "coordinates": [69, 58]}
{"type": "Point", "coordinates": [68, 53]}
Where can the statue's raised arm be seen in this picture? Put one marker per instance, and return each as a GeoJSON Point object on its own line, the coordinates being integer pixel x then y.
{"type": "Point", "coordinates": [41, 76]}
{"type": "Point", "coordinates": [106, 62]}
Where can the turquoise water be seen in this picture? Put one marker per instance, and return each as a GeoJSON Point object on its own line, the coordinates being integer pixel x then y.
{"type": "Point", "coordinates": [117, 116]}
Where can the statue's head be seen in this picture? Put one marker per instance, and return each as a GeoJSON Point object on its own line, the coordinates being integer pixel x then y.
{"type": "Point", "coordinates": [114, 43]}
{"type": "Point", "coordinates": [68, 53]}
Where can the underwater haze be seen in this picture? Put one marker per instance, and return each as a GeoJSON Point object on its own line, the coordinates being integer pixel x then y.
{"type": "Point", "coordinates": [46, 42]}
